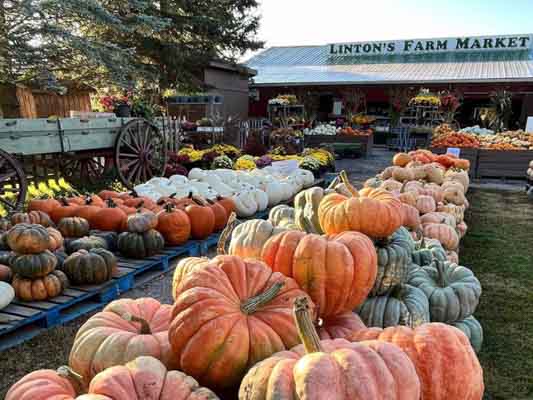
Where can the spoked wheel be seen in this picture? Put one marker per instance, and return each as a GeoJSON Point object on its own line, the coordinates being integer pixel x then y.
{"type": "Point", "coordinates": [13, 183]}
{"type": "Point", "coordinates": [84, 169]}
{"type": "Point", "coordinates": [140, 152]}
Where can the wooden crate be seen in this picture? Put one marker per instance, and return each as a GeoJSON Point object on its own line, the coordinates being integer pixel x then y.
{"type": "Point", "coordinates": [366, 142]}
{"type": "Point", "coordinates": [503, 164]}
{"type": "Point", "coordinates": [471, 155]}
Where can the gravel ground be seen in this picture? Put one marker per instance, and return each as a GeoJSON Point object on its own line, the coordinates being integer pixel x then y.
{"type": "Point", "coordinates": [51, 349]}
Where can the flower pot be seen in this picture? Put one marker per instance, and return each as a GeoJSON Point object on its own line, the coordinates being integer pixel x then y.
{"type": "Point", "coordinates": [123, 111]}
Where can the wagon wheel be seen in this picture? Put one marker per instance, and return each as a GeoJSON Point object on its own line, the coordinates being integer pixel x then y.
{"type": "Point", "coordinates": [85, 169]}
{"type": "Point", "coordinates": [13, 184]}
{"type": "Point", "coordinates": [140, 152]}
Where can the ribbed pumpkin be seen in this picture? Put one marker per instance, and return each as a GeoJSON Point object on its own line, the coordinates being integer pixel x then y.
{"type": "Point", "coordinates": [402, 305]}
{"type": "Point", "coordinates": [33, 265]}
{"type": "Point", "coordinates": [339, 326]}
{"type": "Point", "coordinates": [411, 217]}
{"type": "Point", "coordinates": [140, 201]}
{"type": "Point", "coordinates": [306, 210]}
{"type": "Point", "coordinates": [438, 218]}
{"type": "Point", "coordinates": [229, 315]}
{"type": "Point", "coordinates": [461, 229]}
{"type": "Point", "coordinates": [428, 250]}
{"type": "Point", "coordinates": [141, 221]}
{"type": "Point", "coordinates": [220, 213]}
{"type": "Point", "coordinates": [394, 255]}
{"type": "Point", "coordinates": [56, 239]}
{"type": "Point", "coordinates": [39, 289]}
{"type": "Point", "coordinates": [337, 271]}
{"type": "Point", "coordinates": [28, 239]}
{"type": "Point", "coordinates": [413, 186]}
{"type": "Point", "coordinates": [425, 204]}
{"type": "Point", "coordinates": [444, 234]}
{"type": "Point", "coordinates": [90, 267]}
{"type": "Point", "coordinates": [457, 211]}
{"type": "Point", "coordinates": [473, 331]}
{"type": "Point", "coordinates": [44, 205]}
{"type": "Point", "coordinates": [391, 185]}
{"type": "Point", "coordinates": [279, 213]}
{"type": "Point", "coordinates": [74, 227]}
{"type": "Point", "coordinates": [453, 291]}
{"type": "Point", "coordinates": [32, 217]}
{"type": "Point", "coordinates": [332, 369]}
{"type": "Point", "coordinates": [401, 159]}
{"type": "Point", "coordinates": [374, 212]}
{"type": "Point", "coordinates": [5, 273]}
{"type": "Point", "coordinates": [446, 365]}
{"type": "Point", "coordinates": [138, 328]}
{"type": "Point", "coordinates": [408, 198]}
{"type": "Point", "coordinates": [64, 211]}
{"type": "Point", "coordinates": [111, 218]}
{"type": "Point", "coordinates": [174, 225]}
{"type": "Point", "coordinates": [202, 220]}
{"type": "Point", "coordinates": [86, 243]}
{"type": "Point", "coordinates": [402, 174]}
{"type": "Point", "coordinates": [140, 245]}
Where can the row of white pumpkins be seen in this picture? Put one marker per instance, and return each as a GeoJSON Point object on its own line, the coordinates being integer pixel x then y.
{"type": "Point", "coordinates": [252, 191]}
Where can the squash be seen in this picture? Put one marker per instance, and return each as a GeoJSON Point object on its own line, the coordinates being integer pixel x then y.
{"type": "Point", "coordinates": [140, 245]}
{"type": "Point", "coordinates": [242, 314]}
{"type": "Point", "coordinates": [402, 305]}
{"type": "Point", "coordinates": [5, 273]}
{"type": "Point", "coordinates": [86, 243]}
{"type": "Point", "coordinates": [425, 204]}
{"type": "Point", "coordinates": [174, 225]}
{"type": "Point", "coordinates": [141, 221]}
{"type": "Point", "coordinates": [473, 331]}
{"type": "Point", "coordinates": [459, 176]}
{"type": "Point", "coordinates": [7, 293]}
{"type": "Point", "coordinates": [34, 265]}
{"type": "Point", "coordinates": [411, 217]}
{"type": "Point", "coordinates": [32, 217]}
{"type": "Point", "coordinates": [306, 210]}
{"type": "Point", "coordinates": [401, 159]}
{"type": "Point", "coordinates": [374, 212]}
{"type": "Point", "coordinates": [44, 205]}
{"type": "Point", "coordinates": [428, 250]}
{"type": "Point", "coordinates": [111, 218]}
{"type": "Point", "coordinates": [444, 234]}
{"type": "Point", "coordinates": [332, 369]}
{"type": "Point", "coordinates": [202, 220]}
{"type": "Point", "coordinates": [75, 227]}
{"type": "Point", "coordinates": [337, 271]}
{"type": "Point", "coordinates": [339, 326]}
{"type": "Point", "coordinates": [39, 289]}
{"type": "Point", "coordinates": [387, 173]}
{"type": "Point", "coordinates": [281, 212]}
{"type": "Point", "coordinates": [374, 182]}
{"type": "Point", "coordinates": [453, 291]}
{"type": "Point", "coordinates": [419, 173]}
{"type": "Point", "coordinates": [227, 203]}
{"type": "Point", "coordinates": [408, 198]}
{"type": "Point", "coordinates": [90, 267]}
{"type": "Point", "coordinates": [245, 204]}
{"type": "Point", "coordinates": [445, 363]}
{"type": "Point", "coordinates": [28, 239]}
{"type": "Point", "coordinates": [413, 186]}
{"type": "Point", "coordinates": [56, 239]}
{"type": "Point", "coordinates": [139, 327]}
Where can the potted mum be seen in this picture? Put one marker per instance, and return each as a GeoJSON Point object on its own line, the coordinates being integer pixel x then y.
{"type": "Point", "coordinates": [120, 105]}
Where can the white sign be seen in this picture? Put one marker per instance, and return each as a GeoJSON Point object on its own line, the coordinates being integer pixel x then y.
{"type": "Point", "coordinates": [529, 125]}
{"type": "Point", "coordinates": [285, 167]}
{"type": "Point", "coordinates": [337, 107]}
{"type": "Point", "coordinates": [454, 151]}
{"type": "Point", "coordinates": [432, 46]}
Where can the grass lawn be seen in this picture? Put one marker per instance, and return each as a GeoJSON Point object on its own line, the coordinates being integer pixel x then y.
{"type": "Point", "coordinates": [499, 249]}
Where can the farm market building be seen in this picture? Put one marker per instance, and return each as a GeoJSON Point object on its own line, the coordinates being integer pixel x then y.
{"type": "Point", "coordinates": [474, 66]}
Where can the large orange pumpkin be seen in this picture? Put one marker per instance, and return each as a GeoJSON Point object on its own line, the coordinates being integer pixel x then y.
{"type": "Point", "coordinates": [229, 315]}
{"type": "Point", "coordinates": [64, 211]}
{"type": "Point", "coordinates": [374, 212]}
{"type": "Point", "coordinates": [401, 159]}
{"type": "Point", "coordinates": [337, 271]}
{"type": "Point", "coordinates": [111, 218]}
{"type": "Point", "coordinates": [340, 326]}
{"type": "Point", "coordinates": [443, 357]}
{"type": "Point", "coordinates": [44, 205]}
{"type": "Point", "coordinates": [122, 331]}
{"type": "Point", "coordinates": [202, 220]}
{"type": "Point", "coordinates": [332, 370]}
{"type": "Point", "coordinates": [174, 225]}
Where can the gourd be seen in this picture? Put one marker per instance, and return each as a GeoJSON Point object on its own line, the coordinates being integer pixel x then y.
{"type": "Point", "coordinates": [452, 290]}
{"type": "Point", "coordinates": [443, 233]}
{"type": "Point", "coordinates": [140, 245]}
{"type": "Point", "coordinates": [306, 210]}
{"type": "Point", "coordinates": [139, 328]}
{"type": "Point", "coordinates": [401, 159]}
{"type": "Point", "coordinates": [74, 227]}
{"type": "Point", "coordinates": [332, 369]}
{"type": "Point", "coordinates": [337, 271]}
{"type": "Point", "coordinates": [245, 204]}
{"type": "Point", "coordinates": [246, 304]}
{"type": "Point", "coordinates": [402, 305]}
{"type": "Point", "coordinates": [174, 225]}
{"type": "Point", "coordinates": [34, 265]}
{"type": "Point", "coordinates": [39, 289]}
{"type": "Point", "coordinates": [32, 217]}
{"type": "Point", "coordinates": [28, 238]}
{"type": "Point", "coordinates": [473, 331]}
{"type": "Point", "coordinates": [7, 294]}
{"type": "Point", "coordinates": [90, 267]}
{"type": "Point", "coordinates": [86, 243]}
{"type": "Point", "coordinates": [445, 362]}
{"type": "Point", "coordinates": [434, 174]}
{"type": "Point", "coordinates": [408, 198]}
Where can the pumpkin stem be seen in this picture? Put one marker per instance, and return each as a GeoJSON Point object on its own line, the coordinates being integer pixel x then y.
{"type": "Point", "coordinates": [306, 329]}
{"type": "Point", "coordinates": [333, 183]}
{"type": "Point", "coordinates": [231, 224]}
{"type": "Point", "coordinates": [252, 304]}
{"type": "Point", "coordinates": [63, 201]}
{"type": "Point", "coordinates": [440, 266]}
{"type": "Point", "coordinates": [68, 373]}
{"type": "Point", "coordinates": [145, 327]}
{"type": "Point", "coordinates": [169, 207]}
{"type": "Point", "coordinates": [344, 179]}
{"type": "Point", "coordinates": [111, 203]}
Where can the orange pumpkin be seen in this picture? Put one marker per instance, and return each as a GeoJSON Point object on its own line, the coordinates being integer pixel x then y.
{"type": "Point", "coordinates": [229, 315]}
{"type": "Point", "coordinates": [108, 194]}
{"type": "Point", "coordinates": [227, 203]}
{"type": "Point", "coordinates": [425, 204]}
{"type": "Point", "coordinates": [111, 218]}
{"type": "Point", "coordinates": [138, 328]}
{"type": "Point", "coordinates": [340, 326]}
{"type": "Point", "coordinates": [442, 355]}
{"type": "Point", "coordinates": [202, 220]}
{"type": "Point", "coordinates": [44, 205]}
{"type": "Point", "coordinates": [337, 271]}
{"type": "Point", "coordinates": [32, 217]}
{"type": "Point", "coordinates": [332, 369]}
{"type": "Point", "coordinates": [221, 216]}
{"type": "Point", "coordinates": [140, 201]}
{"type": "Point", "coordinates": [408, 198]}
{"type": "Point", "coordinates": [444, 233]}
{"type": "Point", "coordinates": [461, 163]}
{"type": "Point", "coordinates": [64, 211]}
{"type": "Point", "coordinates": [401, 159]}
{"type": "Point", "coordinates": [183, 268]}
{"type": "Point", "coordinates": [46, 384]}
{"type": "Point", "coordinates": [174, 225]}
{"type": "Point", "coordinates": [56, 239]}
{"type": "Point", "coordinates": [411, 217]}
{"type": "Point", "coordinates": [87, 212]}
{"type": "Point", "coordinates": [445, 160]}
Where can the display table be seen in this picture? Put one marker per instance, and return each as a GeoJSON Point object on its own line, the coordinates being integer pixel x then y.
{"type": "Point", "coordinates": [366, 142]}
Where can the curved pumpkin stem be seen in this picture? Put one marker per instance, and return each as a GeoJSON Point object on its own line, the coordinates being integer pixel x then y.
{"type": "Point", "coordinates": [306, 329]}
{"type": "Point", "coordinates": [440, 266]}
{"type": "Point", "coordinates": [77, 380]}
{"type": "Point", "coordinates": [169, 207]}
{"type": "Point", "coordinates": [344, 179]}
{"type": "Point", "coordinates": [252, 304]}
{"type": "Point", "coordinates": [231, 224]}
{"type": "Point", "coordinates": [145, 326]}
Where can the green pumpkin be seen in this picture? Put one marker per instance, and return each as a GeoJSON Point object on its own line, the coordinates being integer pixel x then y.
{"type": "Point", "coordinates": [452, 290]}
{"type": "Point", "coordinates": [6, 257]}
{"type": "Point", "coordinates": [28, 239]}
{"type": "Point", "coordinates": [110, 237]}
{"type": "Point", "coordinates": [140, 245]}
{"type": "Point", "coordinates": [86, 243]}
{"type": "Point", "coordinates": [394, 255]}
{"type": "Point", "coordinates": [403, 305]}
{"type": "Point", "coordinates": [473, 330]}
{"type": "Point", "coordinates": [33, 265]}
{"type": "Point", "coordinates": [3, 242]}
{"type": "Point", "coordinates": [428, 250]}
{"type": "Point", "coordinates": [73, 227]}
{"type": "Point", "coordinates": [90, 267]}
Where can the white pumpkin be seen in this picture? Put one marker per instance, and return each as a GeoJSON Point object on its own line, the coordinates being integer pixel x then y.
{"type": "Point", "coordinates": [261, 199]}
{"type": "Point", "coordinates": [280, 213]}
{"type": "Point", "coordinates": [7, 294]}
{"type": "Point", "coordinates": [178, 180]}
{"type": "Point", "coordinates": [196, 173]}
{"type": "Point", "coordinates": [274, 192]}
{"type": "Point", "coordinates": [308, 179]}
{"type": "Point", "coordinates": [245, 204]}
{"type": "Point", "coordinates": [148, 190]}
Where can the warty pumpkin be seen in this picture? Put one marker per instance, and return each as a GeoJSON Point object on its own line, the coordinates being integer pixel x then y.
{"type": "Point", "coordinates": [402, 174]}
{"type": "Point", "coordinates": [111, 218]}
{"type": "Point", "coordinates": [387, 173]}
{"type": "Point", "coordinates": [332, 369]}
{"type": "Point", "coordinates": [374, 212]}
{"type": "Point", "coordinates": [174, 225]}
{"type": "Point", "coordinates": [339, 326]}
{"type": "Point", "coordinates": [28, 239]}
{"type": "Point", "coordinates": [141, 221]}
{"type": "Point", "coordinates": [443, 233]}
{"type": "Point", "coordinates": [306, 209]}
{"type": "Point", "coordinates": [32, 217]}
{"type": "Point", "coordinates": [446, 365]}
{"type": "Point", "coordinates": [75, 227]}
{"type": "Point", "coordinates": [390, 185]}
{"type": "Point", "coordinates": [90, 267]}
{"type": "Point", "coordinates": [139, 327]}
{"type": "Point", "coordinates": [408, 198]}
{"type": "Point", "coordinates": [33, 265]}
{"type": "Point", "coordinates": [452, 290]}
{"type": "Point", "coordinates": [56, 239]}
{"type": "Point", "coordinates": [229, 315]}
{"type": "Point", "coordinates": [434, 174]}
{"type": "Point", "coordinates": [140, 245]}
{"type": "Point", "coordinates": [473, 331]}
{"type": "Point", "coordinates": [39, 289]}
{"type": "Point", "coordinates": [337, 271]}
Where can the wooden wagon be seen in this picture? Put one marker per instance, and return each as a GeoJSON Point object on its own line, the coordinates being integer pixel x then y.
{"type": "Point", "coordinates": [73, 147]}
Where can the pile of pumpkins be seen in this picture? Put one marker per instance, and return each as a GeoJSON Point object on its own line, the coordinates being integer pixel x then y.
{"type": "Point", "coordinates": [529, 185]}
{"type": "Point", "coordinates": [272, 316]}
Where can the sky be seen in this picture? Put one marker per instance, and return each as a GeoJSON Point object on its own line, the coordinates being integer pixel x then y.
{"type": "Point", "coordinates": [312, 22]}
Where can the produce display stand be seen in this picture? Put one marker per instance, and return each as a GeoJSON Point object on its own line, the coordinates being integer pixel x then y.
{"type": "Point", "coordinates": [503, 164]}
{"type": "Point", "coordinates": [365, 143]}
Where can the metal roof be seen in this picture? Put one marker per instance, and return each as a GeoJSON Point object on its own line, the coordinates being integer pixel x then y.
{"type": "Point", "coordinates": [286, 66]}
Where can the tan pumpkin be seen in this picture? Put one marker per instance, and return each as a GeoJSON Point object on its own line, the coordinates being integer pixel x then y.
{"type": "Point", "coordinates": [408, 198]}
{"type": "Point", "coordinates": [39, 289]}
{"type": "Point", "coordinates": [434, 174]}
{"type": "Point", "coordinates": [413, 186]}
{"type": "Point", "coordinates": [387, 173]}
{"type": "Point", "coordinates": [419, 173]}
{"type": "Point", "coordinates": [461, 229]}
{"type": "Point", "coordinates": [445, 234]}
{"type": "Point", "coordinates": [457, 211]}
{"type": "Point", "coordinates": [411, 217]}
{"type": "Point", "coordinates": [438, 218]}
{"type": "Point", "coordinates": [56, 239]}
{"type": "Point", "coordinates": [32, 217]}
{"type": "Point", "coordinates": [403, 174]}
{"type": "Point", "coordinates": [391, 185]}
{"type": "Point", "coordinates": [425, 204]}
{"type": "Point", "coordinates": [374, 182]}
{"type": "Point", "coordinates": [454, 195]}
{"type": "Point", "coordinates": [401, 159]}
{"type": "Point", "coordinates": [458, 176]}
